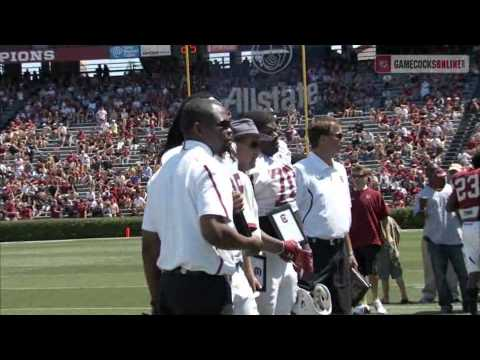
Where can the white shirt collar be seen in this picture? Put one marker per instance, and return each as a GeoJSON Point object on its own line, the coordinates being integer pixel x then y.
{"type": "Point", "coordinates": [320, 163]}
{"type": "Point", "coordinates": [190, 144]}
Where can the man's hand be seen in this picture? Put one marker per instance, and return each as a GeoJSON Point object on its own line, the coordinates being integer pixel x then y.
{"type": "Point", "coordinates": [237, 202]}
{"type": "Point", "coordinates": [352, 261]}
{"type": "Point", "coordinates": [254, 283]}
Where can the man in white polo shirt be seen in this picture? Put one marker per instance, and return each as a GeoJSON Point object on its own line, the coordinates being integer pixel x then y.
{"type": "Point", "coordinates": [323, 198]}
{"type": "Point", "coordinates": [190, 212]}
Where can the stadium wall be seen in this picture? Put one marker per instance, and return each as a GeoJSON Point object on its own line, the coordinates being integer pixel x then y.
{"type": "Point", "coordinates": [59, 229]}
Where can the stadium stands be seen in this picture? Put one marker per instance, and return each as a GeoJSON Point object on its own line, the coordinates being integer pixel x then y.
{"type": "Point", "coordinates": [80, 146]}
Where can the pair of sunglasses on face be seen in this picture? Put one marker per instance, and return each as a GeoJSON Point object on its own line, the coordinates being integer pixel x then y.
{"type": "Point", "coordinates": [253, 145]}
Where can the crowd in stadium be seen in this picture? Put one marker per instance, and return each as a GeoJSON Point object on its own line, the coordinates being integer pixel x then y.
{"type": "Point", "coordinates": [415, 114]}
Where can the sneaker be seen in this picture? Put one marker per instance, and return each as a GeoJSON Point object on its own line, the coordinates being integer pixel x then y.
{"type": "Point", "coordinates": [377, 304]}
{"type": "Point", "coordinates": [446, 309]}
{"type": "Point", "coordinates": [361, 310]}
{"type": "Point", "coordinates": [405, 301]}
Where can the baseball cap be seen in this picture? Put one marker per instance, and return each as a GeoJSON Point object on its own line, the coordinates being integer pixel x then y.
{"type": "Point", "coordinates": [455, 167]}
{"type": "Point", "coordinates": [243, 127]}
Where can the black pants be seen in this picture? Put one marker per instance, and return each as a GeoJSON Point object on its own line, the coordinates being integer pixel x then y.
{"type": "Point", "coordinates": [194, 293]}
{"type": "Point", "coordinates": [441, 255]}
{"type": "Point", "coordinates": [330, 263]}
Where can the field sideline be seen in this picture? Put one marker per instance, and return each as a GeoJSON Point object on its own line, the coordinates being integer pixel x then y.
{"type": "Point", "coordinates": [105, 277]}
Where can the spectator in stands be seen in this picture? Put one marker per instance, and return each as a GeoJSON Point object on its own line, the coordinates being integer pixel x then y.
{"type": "Point", "coordinates": [464, 158]}
{"type": "Point", "coordinates": [138, 205]}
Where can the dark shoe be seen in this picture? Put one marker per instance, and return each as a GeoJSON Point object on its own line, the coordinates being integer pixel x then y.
{"type": "Point", "coordinates": [446, 309]}
{"type": "Point", "coordinates": [474, 308]}
{"type": "Point", "coordinates": [405, 301]}
{"type": "Point", "coordinates": [426, 301]}
{"type": "Point", "coordinates": [456, 301]}
{"type": "Point", "coordinates": [385, 301]}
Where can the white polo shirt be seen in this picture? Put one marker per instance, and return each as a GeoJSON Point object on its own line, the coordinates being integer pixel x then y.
{"type": "Point", "coordinates": [441, 227]}
{"type": "Point", "coordinates": [191, 184]}
{"type": "Point", "coordinates": [274, 184]}
{"type": "Point", "coordinates": [170, 153]}
{"type": "Point", "coordinates": [323, 198]}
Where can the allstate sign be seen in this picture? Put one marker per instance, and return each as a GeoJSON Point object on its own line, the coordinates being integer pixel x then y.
{"type": "Point", "coordinates": [125, 52]}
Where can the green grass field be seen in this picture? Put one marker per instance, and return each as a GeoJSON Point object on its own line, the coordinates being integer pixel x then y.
{"type": "Point", "coordinates": [105, 276]}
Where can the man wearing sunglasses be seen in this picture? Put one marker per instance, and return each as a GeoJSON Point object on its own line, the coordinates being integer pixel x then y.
{"type": "Point", "coordinates": [323, 198]}
{"type": "Point", "coordinates": [191, 241]}
{"type": "Point", "coordinates": [369, 213]}
{"type": "Point", "coordinates": [273, 180]}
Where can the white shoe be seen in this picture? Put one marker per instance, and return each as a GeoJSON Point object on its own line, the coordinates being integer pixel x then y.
{"type": "Point", "coordinates": [362, 309]}
{"type": "Point", "coordinates": [379, 308]}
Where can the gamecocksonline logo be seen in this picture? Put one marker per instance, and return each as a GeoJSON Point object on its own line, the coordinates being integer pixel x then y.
{"type": "Point", "coordinates": [271, 59]}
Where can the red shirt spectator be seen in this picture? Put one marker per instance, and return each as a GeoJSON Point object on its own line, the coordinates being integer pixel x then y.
{"type": "Point", "coordinates": [11, 210]}
{"type": "Point", "coordinates": [82, 209]}
{"type": "Point", "coordinates": [26, 213]}
{"type": "Point", "coordinates": [368, 209]}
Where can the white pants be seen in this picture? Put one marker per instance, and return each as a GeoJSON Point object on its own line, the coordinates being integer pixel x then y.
{"type": "Point", "coordinates": [471, 245]}
{"type": "Point", "coordinates": [281, 287]}
{"type": "Point", "coordinates": [242, 295]}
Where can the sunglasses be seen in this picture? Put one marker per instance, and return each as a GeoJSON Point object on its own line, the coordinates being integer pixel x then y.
{"type": "Point", "coordinates": [253, 145]}
{"type": "Point", "coordinates": [359, 176]}
{"type": "Point", "coordinates": [225, 124]}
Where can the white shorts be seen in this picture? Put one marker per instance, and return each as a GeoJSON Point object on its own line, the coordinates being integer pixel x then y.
{"type": "Point", "coordinates": [243, 298]}
{"type": "Point", "coordinates": [471, 245]}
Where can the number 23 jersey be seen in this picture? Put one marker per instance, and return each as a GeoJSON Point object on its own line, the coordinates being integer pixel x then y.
{"type": "Point", "coordinates": [466, 185]}
{"type": "Point", "coordinates": [274, 184]}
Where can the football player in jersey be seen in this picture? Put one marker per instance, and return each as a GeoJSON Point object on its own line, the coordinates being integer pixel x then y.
{"type": "Point", "coordinates": [465, 200]}
{"type": "Point", "coordinates": [273, 179]}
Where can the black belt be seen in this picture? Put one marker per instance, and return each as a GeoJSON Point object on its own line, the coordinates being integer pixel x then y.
{"type": "Point", "coordinates": [331, 242]}
{"type": "Point", "coordinates": [182, 271]}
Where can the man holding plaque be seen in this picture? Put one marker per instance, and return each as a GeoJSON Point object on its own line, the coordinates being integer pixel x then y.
{"type": "Point", "coordinates": [273, 180]}
{"type": "Point", "coordinates": [324, 204]}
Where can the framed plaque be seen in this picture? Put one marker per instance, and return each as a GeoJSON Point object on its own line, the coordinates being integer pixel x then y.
{"type": "Point", "coordinates": [259, 265]}
{"type": "Point", "coordinates": [286, 224]}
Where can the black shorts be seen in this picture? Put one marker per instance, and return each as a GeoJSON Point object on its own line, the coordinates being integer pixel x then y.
{"type": "Point", "coordinates": [366, 259]}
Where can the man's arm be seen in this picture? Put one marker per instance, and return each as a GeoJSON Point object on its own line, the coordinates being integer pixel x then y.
{"type": "Point", "coordinates": [150, 254]}
{"type": "Point", "coordinates": [351, 257]}
{"type": "Point", "coordinates": [215, 230]}
{"type": "Point", "coordinates": [301, 199]}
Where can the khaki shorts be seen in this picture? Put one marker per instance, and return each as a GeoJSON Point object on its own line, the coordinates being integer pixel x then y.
{"type": "Point", "coordinates": [388, 264]}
